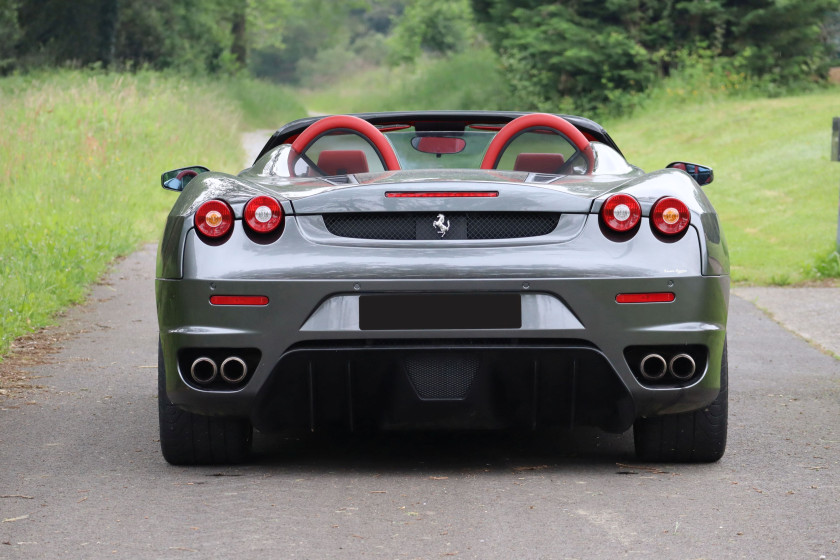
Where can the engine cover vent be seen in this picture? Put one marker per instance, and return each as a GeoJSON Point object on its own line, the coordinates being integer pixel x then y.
{"type": "Point", "coordinates": [441, 376]}
{"type": "Point", "coordinates": [396, 226]}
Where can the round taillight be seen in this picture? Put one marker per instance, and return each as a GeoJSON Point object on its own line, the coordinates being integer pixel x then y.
{"type": "Point", "coordinates": [621, 212]}
{"type": "Point", "coordinates": [670, 216]}
{"type": "Point", "coordinates": [263, 214]}
{"type": "Point", "coordinates": [214, 218]}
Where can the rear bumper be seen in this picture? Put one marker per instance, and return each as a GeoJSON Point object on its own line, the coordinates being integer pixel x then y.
{"type": "Point", "coordinates": [565, 365]}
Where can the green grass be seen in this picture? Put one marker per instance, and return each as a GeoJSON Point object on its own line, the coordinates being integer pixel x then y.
{"type": "Point", "coordinates": [262, 105]}
{"type": "Point", "coordinates": [775, 189]}
{"type": "Point", "coordinates": [80, 161]}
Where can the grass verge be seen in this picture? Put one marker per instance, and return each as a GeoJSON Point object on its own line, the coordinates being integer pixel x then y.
{"type": "Point", "coordinates": [262, 105]}
{"type": "Point", "coordinates": [81, 160]}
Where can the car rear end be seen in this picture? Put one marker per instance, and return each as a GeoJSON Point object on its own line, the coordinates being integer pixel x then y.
{"type": "Point", "coordinates": [483, 301]}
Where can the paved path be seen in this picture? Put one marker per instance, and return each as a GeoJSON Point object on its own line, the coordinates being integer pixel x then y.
{"type": "Point", "coordinates": [812, 313]}
{"type": "Point", "coordinates": [252, 144]}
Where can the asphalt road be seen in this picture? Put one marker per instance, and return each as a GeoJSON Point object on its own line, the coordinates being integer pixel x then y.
{"type": "Point", "coordinates": [81, 474]}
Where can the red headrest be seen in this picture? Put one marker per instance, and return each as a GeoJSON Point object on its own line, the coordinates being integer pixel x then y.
{"type": "Point", "coordinates": [539, 163]}
{"type": "Point", "coordinates": [342, 162]}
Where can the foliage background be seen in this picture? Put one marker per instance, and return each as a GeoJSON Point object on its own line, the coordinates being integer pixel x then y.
{"type": "Point", "coordinates": [572, 56]}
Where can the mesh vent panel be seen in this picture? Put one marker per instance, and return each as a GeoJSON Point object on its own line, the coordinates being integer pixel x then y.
{"type": "Point", "coordinates": [372, 226]}
{"type": "Point", "coordinates": [510, 224]}
{"type": "Point", "coordinates": [404, 226]}
{"type": "Point", "coordinates": [442, 376]}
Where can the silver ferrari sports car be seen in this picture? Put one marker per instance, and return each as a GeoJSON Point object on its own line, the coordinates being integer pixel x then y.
{"type": "Point", "coordinates": [442, 270]}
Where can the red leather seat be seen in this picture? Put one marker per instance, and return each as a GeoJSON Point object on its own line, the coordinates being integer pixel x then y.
{"type": "Point", "coordinates": [539, 163]}
{"type": "Point", "coordinates": [342, 162]}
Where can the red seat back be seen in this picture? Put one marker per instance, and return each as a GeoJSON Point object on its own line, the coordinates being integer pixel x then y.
{"type": "Point", "coordinates": [342, 162]}
{"type": "Point", "coordinates": [539, 163]}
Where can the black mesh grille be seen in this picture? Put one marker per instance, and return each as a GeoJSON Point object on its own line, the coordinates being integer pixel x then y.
{"type": "Point", "coordinates": [510, 224]}
{"type": "Point", "coordinates": [409, 226]}
{"type": "Point", "coordinates": [442, 376]}
{"type": "Point", "coordinates": [372, 226]}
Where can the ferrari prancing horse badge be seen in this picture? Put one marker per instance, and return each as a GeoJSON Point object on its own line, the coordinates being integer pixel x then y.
{"type": "Point", "coordinates": [440, 226]}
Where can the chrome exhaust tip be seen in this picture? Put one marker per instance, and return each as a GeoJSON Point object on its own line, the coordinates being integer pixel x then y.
{"type": "Point", "coordinates": [203, 370]}
{"type": "Point", "coordinates": [653, 367]}
{"type": "Point", "coordinates": [234, 369]}
{"type": "Point", "coordinates": [682, 366]}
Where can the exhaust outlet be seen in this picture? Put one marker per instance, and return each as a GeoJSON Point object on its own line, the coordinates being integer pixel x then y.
{"type": "Point", "coordinates": [203, 370]}
{"type": "Point", "coordinates": [653, 367]}
{"type": "Point", "coordinates": [682, 366]}
{"type": "Point", "coordinates": [234, 369]}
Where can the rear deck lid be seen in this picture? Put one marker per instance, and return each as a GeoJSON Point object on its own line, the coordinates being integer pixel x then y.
{"type": "Point", "coordinates": [460, 191]}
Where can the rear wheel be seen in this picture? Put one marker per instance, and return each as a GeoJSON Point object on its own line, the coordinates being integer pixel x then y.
{"type": "Point", "coordinates": [691, 437]}
{"type": "Point", "coordinates": [193, 439]}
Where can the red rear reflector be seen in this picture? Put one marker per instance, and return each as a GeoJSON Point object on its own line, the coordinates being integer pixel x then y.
{"type": "Point", "coordinates": [239, 300]}
{"type": "Point", "coordinates": [443, 194]}
{"type": "Point", "coordinates": [653, 297]}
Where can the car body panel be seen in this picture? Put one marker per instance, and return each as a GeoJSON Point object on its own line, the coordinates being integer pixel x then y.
{"type": "Point", "coordinates": [307, 344]}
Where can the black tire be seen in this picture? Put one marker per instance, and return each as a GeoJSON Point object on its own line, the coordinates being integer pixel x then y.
{"type": "Point", "coordinates": [691, 437]}
{"type": "Point", "coordinates": [193, 439]}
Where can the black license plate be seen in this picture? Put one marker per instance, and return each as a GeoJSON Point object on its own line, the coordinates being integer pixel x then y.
{"type": "Point", "coordinates": [390, 312]}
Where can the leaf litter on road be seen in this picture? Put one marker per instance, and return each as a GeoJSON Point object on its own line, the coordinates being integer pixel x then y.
{"type": "Point", "coordinates": [530, 468]}
{"type": "Point", "coordinates": [630, 469]}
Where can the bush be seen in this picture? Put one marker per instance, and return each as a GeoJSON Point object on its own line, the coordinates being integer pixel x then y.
{"type": "Point", "coordinates": [827, 267]}
{"type": "Point", "coordinates": [437, 27]}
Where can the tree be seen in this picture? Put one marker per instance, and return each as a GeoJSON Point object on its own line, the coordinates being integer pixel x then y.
{"type": "Point", "coordinates": [831, 33]}
{"type": "Point", "coordinates": [326, 35]}
{"type": "Point", "coordinates": [54, 32]}
{"type": "Point", "coordinates": [589, 54]}
{"type": "Point", "coordinates": [9, 33]}
{"type": "Point", "coordinates": [781, 40]}
{"type": "Point", "coordinates": [196, 35]}
{"type": "Point", "coordinates": [432, 26]}
{"type": "Point", "coordinates": [563, 55]}
{"type": "Point", "coordinates": [238, 31]}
